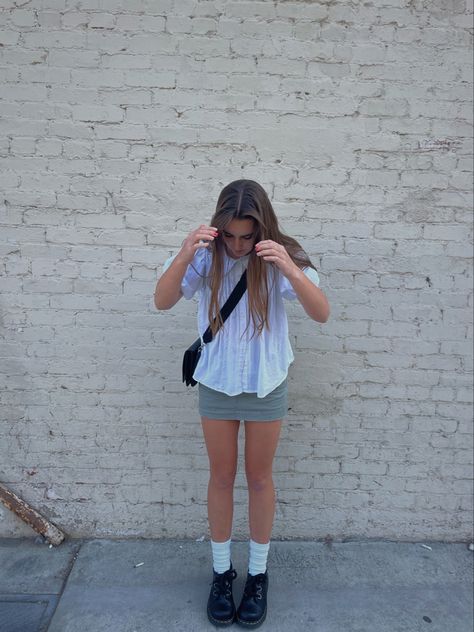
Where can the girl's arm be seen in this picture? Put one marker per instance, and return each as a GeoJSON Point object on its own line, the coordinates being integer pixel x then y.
{"type": "Point", "coordinates": [168, 289]}
{"type": "Point", "coordinates": [313, 300]}
{"type": "Point", "coordinates": [309, 295]}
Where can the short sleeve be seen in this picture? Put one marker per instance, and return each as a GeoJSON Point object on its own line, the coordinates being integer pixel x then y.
{"type": "Point", "coordinates": [193, 279]}
{"type": "Point", "coordinates": [286, 289]}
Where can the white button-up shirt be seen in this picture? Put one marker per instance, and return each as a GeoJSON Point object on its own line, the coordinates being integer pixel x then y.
{"type": "Point", "coordinates": [235, 362]}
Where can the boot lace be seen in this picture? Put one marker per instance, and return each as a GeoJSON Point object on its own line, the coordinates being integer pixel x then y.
{"type": "Point", "coordinates": [254, 586]}
{"type": "Point", "coordinates": [222, 584]}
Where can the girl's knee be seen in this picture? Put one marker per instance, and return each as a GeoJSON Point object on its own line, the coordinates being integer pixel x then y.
{"type": "Point", "coordinates": [259, 482]}
{"type": "Point", "coordinates": [223, 479]}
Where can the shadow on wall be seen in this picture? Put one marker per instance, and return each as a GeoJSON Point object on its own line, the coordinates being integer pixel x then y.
{"type": "Point", "coordinates": [17, 389]}
{"type": "Point", "coordinates": [313, 385]}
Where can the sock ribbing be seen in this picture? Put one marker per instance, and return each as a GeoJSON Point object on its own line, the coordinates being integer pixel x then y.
{"type": "Point", "coordinates": [258, 557]}
{"type": "Point", "coordinates": [221, 556]}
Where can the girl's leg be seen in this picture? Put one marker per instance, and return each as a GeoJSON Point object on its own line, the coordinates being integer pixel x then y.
{"type": "Point", "coordinates": [221, 443]}
{"type": "Point", "coordinates": [261, 440]}
{"type": "Point", "coordinates": [221, 437]}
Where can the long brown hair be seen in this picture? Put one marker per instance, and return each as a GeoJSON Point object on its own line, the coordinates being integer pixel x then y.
{"type": "Point", "coordinates": [246, 199]}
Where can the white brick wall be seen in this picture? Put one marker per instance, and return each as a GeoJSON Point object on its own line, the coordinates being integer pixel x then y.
{"type": "Point", "coordinates": [120, 122]}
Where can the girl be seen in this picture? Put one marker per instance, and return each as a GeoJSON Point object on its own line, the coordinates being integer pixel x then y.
{"type": "Point", "coordinates": [242, 371]}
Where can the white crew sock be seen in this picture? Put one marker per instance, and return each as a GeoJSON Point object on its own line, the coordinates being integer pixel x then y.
{"type": "Point", "coordinates": [221, 556]}
{"type": "Point", "coordinates": [258, 557]}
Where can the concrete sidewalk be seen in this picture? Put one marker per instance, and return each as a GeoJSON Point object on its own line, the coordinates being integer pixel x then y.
{"type": "Point", "coordinates": [163, 585]}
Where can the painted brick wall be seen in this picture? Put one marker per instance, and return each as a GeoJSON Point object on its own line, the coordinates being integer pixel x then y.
{"type": "Point", "coordinates": [120, 123]}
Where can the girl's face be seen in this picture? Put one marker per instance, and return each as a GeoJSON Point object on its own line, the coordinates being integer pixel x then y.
{"type": "Point", "coordinates": [239, 237]}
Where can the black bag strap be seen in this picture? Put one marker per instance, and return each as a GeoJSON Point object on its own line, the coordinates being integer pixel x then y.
{"type": "Point", "coordinates": [229, 305]}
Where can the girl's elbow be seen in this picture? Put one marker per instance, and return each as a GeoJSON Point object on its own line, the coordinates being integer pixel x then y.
{"type": "Point", "coordinates": [326, 311]}
{"type": "Point", "coordinates": [166, 302]}
{"type": "Point", "coordinates": [160, 304]}
{"type": "Point", "coordinates": [323, 317]}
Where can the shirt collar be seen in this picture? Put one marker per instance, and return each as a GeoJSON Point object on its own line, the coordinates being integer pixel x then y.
{"type": "Point", "coordinates": [239, 264]}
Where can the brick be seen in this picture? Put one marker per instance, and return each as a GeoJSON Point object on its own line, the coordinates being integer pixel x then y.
{"type": "Point", "coordinates": [250, 9]}
{"type": "Point", "coordinates": [115, 122]}
{"type": "Point", "coordinates": [445, 232]}
{"type": "Point", "coordinates": [317, 466]}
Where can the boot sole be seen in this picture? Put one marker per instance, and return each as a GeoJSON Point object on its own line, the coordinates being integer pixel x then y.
{"type": "Point", "coordinates": [250, 625]}
{"type": "Point", "coordinates": [219, 623]}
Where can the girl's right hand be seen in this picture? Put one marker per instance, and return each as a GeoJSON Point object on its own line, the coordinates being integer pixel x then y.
{"type": "Point", "coordinates": [199, 238]}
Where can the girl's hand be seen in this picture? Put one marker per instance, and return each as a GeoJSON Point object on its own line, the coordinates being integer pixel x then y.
{"type": "Point", "coordinates": [277, 254]}
{"type": "Point", "coordinates": [199, 238]}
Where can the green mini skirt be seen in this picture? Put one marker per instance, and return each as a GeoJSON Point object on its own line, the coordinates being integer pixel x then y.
{"type": "Point", "coordinates": [245, 406]}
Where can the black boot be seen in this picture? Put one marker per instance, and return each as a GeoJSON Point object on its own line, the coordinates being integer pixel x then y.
{"type": "Point", "coordinates": [253, 607]}
{"type": "Point", "coordinates": [220, 605]}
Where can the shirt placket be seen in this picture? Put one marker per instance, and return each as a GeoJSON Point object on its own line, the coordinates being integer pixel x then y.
{"type": "Point", "coordinates": [242, 350]}
{"type": "Point", "coordinates": [241, 326]}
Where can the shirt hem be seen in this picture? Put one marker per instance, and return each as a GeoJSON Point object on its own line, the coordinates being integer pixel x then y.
{"type": "Point", "coordinates": [260, 396]}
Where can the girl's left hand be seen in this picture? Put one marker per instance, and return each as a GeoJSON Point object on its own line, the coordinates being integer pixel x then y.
{"type": "Point", "coordinates": [277, 254]}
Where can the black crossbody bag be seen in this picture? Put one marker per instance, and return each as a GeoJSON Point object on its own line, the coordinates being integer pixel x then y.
{"type": "Point", "coordinates": [192, 355]}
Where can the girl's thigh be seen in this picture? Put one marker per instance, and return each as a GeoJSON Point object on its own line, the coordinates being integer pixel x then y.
{"type": "Point", "coordinates": [221, 437]}
{"type": "Point", "coordinates": [261, 441]}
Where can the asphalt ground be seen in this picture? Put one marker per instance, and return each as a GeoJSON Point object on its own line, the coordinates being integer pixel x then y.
{"type": "Point", "coordinates": [137, 585]}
